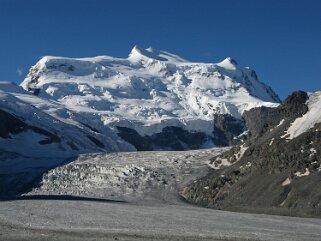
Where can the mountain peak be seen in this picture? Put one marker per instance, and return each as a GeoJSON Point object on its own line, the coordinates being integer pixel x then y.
{"type": "Point", "coordinates": [138, 53]}
{"type": "Point", "coordinates": [149, 54]}
{"type": "Point", "coordinates": [228, 63]}
{"type": "Point", "coordinates": [231, 60]}
{"type": "Point", "coordinates": [136, 50]}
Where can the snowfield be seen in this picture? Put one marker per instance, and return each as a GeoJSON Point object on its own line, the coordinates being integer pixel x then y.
{"type": "Point", "coordinates": [52, 117]}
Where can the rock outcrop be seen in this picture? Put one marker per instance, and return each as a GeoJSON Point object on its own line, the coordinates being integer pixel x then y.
{"type": "Point", "coordinates": [270, 172]}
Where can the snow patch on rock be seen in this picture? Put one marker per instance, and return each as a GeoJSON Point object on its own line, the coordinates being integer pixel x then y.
{"type": "Point", "coordinates": [312, 152]}
{"type": "Point", "coordinates": [271, 142]}
{"type": "Point", "coordinates": [302, 174]}
{"type": "Point", "coordinates": [286, 182]}
{"type": "Point", "coordinates": [308, 120]}
{"type": "Point", "coordinates": [241, 152]}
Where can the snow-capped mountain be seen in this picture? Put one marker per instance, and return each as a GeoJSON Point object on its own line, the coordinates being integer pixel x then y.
{"type": "Point", "coordinates": [147, 94]}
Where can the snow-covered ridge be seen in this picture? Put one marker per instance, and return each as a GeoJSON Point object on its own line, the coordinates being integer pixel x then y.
{"type": "Point", "coordinates": [149, 90]}
{"type": "Point", "coordinates": [42, 117]}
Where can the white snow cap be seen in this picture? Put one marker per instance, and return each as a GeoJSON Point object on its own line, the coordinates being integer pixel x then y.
{"type": "Point", "coordinates": [150, 89]}
{"type": "Point", "coordinates": [138, 53]}
{"type": "Point", "coordinates": [228, 63]}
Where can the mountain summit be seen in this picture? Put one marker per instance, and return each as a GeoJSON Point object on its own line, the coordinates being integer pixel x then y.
{"type": "Point", "coordinates": [148, 93]}
{"type": "Point", "coordinates": [138, 53]}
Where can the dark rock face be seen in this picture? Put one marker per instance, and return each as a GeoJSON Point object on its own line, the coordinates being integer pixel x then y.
{"type": "Point", "coordinates": [176, 138]}
{"type": "Point", "coordinates": [226, 129]}
{"type": "Point", "coordinates": [10, 124]}
{"type": "Point", "coordinates": [131, 136]}
{"type": "Point", "coordinates": [96, 141]}
{"type": "Point", "coordinates": [294, 105]}
{"type": "Point", "coordinates": [274, 175]}
{"type": "Point", "coordinates": [258, 120]}
{"type": "Point", "coordinates": [171, 138]}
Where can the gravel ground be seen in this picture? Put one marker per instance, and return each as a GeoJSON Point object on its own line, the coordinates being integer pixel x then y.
{"type": "Point", "coordinates": [80, 219]}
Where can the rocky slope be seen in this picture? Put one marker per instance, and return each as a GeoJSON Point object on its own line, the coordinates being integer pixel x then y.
{"type": "Point", "coordinates": [277, 170]}
{"type": "Point", "coordinates": [153, 99]}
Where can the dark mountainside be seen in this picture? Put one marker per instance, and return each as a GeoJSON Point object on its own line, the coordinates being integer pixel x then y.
{"type": "Point", "coordinates": [226, 131]}
{"type": "Point", "coordinates": [267, 177]}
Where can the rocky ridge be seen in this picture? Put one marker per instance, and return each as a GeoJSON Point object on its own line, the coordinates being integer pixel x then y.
{"type": "Point", "coordinates": [270, 172]}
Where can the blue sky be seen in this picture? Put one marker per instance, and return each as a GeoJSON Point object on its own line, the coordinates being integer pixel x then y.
{"type": "Point", "coordinates": [280, 39]}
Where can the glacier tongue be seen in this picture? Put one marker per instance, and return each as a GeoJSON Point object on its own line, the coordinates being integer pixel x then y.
{"type": "Point", "coordinates": [144, 177]}
{"type": "Point", "coordinates": [148, 91]}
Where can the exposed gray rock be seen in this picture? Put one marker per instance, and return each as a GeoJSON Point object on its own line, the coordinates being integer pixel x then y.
{"type": "Point", "coordinates": [261, 118]}
{"type": "Point", "coordinates": [226, 130]}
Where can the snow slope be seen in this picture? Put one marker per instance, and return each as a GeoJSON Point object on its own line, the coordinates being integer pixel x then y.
{"type": "Point", "coordinates": [147, 91]}
{"type": "Point", "coordinates": [309, 119]}
{"type": "Point", "coordinates": [46, 133]}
